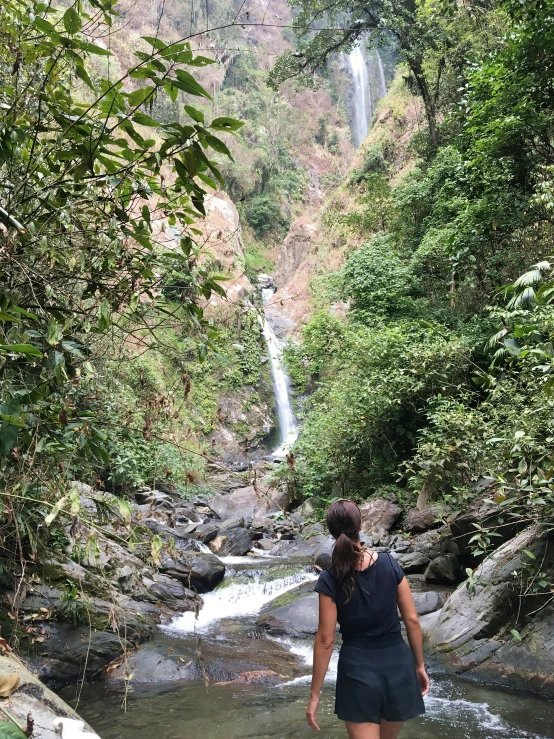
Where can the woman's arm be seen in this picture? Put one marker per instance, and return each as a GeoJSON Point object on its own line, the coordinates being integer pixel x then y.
{"type": "Point", "coordinates": [413, 628]}
{"type": "Point", "coordinates": [323, 648]}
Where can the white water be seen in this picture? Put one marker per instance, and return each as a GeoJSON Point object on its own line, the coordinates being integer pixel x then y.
{"type": "Point", "coordinates": [382, 81]}
{"type": "Point", "coordinates": [286, 422]}
{"type": "Point", "coordinates": [237, 599]}
{"type": "Point", "coordinates": [306, 652]}
{"type": "Point", "coordinates": [362, 111]}
{"type": "Point", "coordinates": [368, 85]}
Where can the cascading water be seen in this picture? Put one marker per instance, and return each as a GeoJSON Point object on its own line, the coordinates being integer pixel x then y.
{"type": "Point", "coordinates": [367, 86]}
{"type": "Point", "coordinates": [362, 112]}
{"type": "Point", "coordinates": [286, 422]}
{"type": "Point", "coordinates": [382, 81]}
{"type": "Point", "coordinates": [238, 599]}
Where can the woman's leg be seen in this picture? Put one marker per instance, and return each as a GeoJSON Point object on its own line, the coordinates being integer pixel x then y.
{"type": "Point", "coordinates": [362, 731]}
{"type": "Point", "coordinates": [390, 729]}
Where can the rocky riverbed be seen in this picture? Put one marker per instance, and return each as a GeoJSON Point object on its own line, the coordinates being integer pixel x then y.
{"type": "Point", "coordinates": [218, 591]}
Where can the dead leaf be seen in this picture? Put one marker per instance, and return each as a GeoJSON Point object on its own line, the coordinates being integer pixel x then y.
{"type": "Point", "coordinates": [4, 646]}
{"type": "Point", "coordinates": [8, 683]}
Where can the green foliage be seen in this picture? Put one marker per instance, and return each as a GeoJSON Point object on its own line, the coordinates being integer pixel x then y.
{"type": "Point", "coordinates": [88, 174]}
{"type": "Point", "coordinates": [265, 216]}
{"type": "Point", "coordinates": [377, 281]}
{"type": "Point", "coordinates": [365, 415]}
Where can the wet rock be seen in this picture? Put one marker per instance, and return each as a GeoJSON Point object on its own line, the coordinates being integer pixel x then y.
{"type": "Point", "coordinates": [417, 522]}
{"type": "Point", "coordinates": [205, 532]}
{"type": "Point", "coordinates": [378, 517]}
{"type": "Point", "coordinates": [231, 542]}
{"type": "Point", "coordinates": [241, 659]}
{"type": "Point", "coordinates": [528, 664]}
{"type": "Point", "coordinates": [248, 503]}
{"type": "Point", "coordinates": [170, 592]}
{"type": "Point", "coordinates": [68, 654]}
{"type": "Point", "coordinates": [295, 548]}
{"type": "Point", "coordinates": [444, 570]}
{"type": "Point", "coordinates": [203, 572]}
{"type": "Point", "coordinates": [297, 619]}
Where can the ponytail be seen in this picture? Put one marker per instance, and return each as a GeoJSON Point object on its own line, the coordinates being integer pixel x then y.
{"type": "Point", "coordinates": [344, 521]}
{"type": "Point", "coordinates": [345, 559]}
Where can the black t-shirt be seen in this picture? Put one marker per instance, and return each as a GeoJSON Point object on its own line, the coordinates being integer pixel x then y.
{"type": "Point", "coordinates": [372, 610]}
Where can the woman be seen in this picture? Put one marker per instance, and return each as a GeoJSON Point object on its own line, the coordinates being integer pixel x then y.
{"type": "Point", "coordinates": [380, 682]}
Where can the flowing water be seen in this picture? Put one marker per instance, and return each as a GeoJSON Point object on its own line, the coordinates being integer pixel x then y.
{"type": "Point", "coordinates": [362, 109]}
{"type": "Point", "coordinates": [367, 87]}
{"type": "Point", "coordinates": [286, 422]}
{"type": "Point", "coordinates": [455, 709]}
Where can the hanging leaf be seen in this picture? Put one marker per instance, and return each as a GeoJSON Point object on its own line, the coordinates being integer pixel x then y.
{"type": "Point", "coordinates": [55, 510]}
{"type": "Point", "coordinates": [72, 20]}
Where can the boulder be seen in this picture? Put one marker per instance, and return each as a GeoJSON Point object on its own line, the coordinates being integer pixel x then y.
{"type": "Point", "coordinates": [170, 592]}
{"type": "Point", "coordinates": [412, 562]}
{"type": "Point", "coordinates": [378, 517]}
{"type": "Point", "coordinates": [471, 629]}
{"type": "Point", "coordinates": [205, 532]}
{"type": "Point", "coordinates": [296, 619]}
{"type": "Point", "coordinates": [203, 572]}
{"type": "Point", "coordinates": [416, 522]}
{"type": "Point", "coordinates": [248, 503]}
{"type": "Point", "coordinates": [235, 542]}
{"type": "Point", "coordinates": [429, 601]}
{"type": "Point", "coordinates": [444, 570]}
{"type": "Point", "coordinates": [323, 552]}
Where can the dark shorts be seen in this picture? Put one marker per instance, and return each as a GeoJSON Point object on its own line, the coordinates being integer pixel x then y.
{"type": "Point", "coordinates": [377, 680]}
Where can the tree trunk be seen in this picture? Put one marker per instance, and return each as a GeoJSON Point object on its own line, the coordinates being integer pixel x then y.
{"type": "Point", "coordinates": [428, 100]}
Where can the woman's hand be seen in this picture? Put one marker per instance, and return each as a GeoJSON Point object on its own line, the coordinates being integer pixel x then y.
{"type": "Point", "coordinates": [423, 680]}
{"type": "Point", "coordinates": [311, 712]}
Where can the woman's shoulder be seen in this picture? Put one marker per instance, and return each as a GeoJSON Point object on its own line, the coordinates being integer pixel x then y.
{"type": "Point", "coordinates": [326, 582]}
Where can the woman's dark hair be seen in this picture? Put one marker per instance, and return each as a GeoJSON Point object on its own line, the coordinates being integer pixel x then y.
{"type": "Point", "coordinates": [344, 521]}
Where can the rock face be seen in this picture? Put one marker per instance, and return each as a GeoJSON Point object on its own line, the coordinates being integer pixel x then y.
{"type": "Point", "coordinates": [378, 517]}
{"type": "Point", "coordinates": [472, 631]}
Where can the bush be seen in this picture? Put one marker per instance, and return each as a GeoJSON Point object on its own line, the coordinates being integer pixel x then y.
{"type": "Point", "coordinates": [265, 216]}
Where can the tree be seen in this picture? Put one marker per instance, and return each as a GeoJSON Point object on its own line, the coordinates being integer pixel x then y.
{"type": "Point", "coordinates": [98, 204]}
{"type": "Point", "coordinates": [343, 23]}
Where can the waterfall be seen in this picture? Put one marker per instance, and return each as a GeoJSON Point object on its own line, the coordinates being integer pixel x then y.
{"type": "Point", "coordinates": [286, 423]}
{"type": "Point", "coordinates": [382, 81]}
{"type": "Point", "coordinates": [362, 112]}
{"type": "Point", "coordinates": [237, 599]}
{"type": "Point", "coordinates": [367, 86]}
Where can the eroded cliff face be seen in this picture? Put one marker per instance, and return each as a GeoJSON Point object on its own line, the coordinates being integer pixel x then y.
{"type": "Point", "coordinates": [318, 241]}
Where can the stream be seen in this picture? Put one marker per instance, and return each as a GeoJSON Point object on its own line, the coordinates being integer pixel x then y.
{"type": "Point", "coordinates": [227, 622]}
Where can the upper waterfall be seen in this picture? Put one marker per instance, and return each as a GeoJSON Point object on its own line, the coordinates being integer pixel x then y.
{"type": "Point", "coordinates": [367, 86]}
{"type": "Point", "coordinates": [362, 112]}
